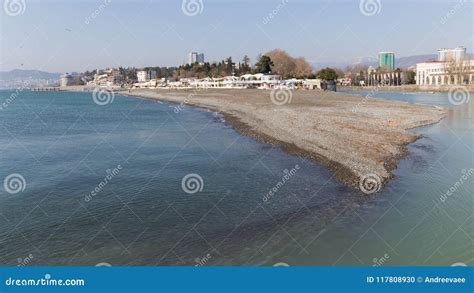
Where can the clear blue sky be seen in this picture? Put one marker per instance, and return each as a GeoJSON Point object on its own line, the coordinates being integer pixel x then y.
{"type": "Point", "coordinates": [55, 36]}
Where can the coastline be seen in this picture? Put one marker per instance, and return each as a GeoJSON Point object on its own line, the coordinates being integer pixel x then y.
{"type": "Point", "coordinates": [407, 88]}
{"type": "Point", "coordinates": [351, 137]}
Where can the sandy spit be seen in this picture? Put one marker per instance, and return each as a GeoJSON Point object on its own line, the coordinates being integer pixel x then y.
{"type": "Point", "coordinates": [358, 138]}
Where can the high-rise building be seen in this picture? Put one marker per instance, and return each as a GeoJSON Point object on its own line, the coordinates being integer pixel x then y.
{"type": "Point", "coordinates": [387, 60]}
{"type": "Point", "coordinates": [449, 55]}
{"type": "Point", "coordinates": [194, 57]}
{"type": "Point", "coordinates": [200, 58]}
{"type": "Point", "coordinates": [146, 75]}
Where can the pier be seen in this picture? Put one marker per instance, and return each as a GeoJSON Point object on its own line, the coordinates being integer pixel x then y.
{"type": "Point", "coordinates": [46, 89]}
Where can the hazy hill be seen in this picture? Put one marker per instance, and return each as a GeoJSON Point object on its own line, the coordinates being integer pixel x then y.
{"type": "Point", "coordinates": [35, 78]}
{"type": "Point", "coordinates": [27, 74]}
{"type": "Point", "coordinates": [401, 62]}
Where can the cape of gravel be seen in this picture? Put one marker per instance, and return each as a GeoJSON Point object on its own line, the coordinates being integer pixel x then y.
{"type": "Point", "coordinates": [352, 135]}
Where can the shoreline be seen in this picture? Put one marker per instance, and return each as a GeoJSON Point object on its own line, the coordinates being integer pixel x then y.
{"type": "Point", "coordinates": [378, 153]}
{"type": "Point", "coordinates": [407, 88]}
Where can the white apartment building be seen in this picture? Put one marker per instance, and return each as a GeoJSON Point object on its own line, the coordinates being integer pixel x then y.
{"type": "Point", "coordinates": [194, 57]}
{"type": "Point", "coordinates": [457, 54]}
{"type": "Point", "coordinates": [146, 75]}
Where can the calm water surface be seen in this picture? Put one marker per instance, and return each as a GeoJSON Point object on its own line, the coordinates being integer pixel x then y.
{"type": "Point", "coordinates": [64, 145]}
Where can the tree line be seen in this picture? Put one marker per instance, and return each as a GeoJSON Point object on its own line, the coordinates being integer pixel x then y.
{"type": "Point", "coordinates": [273, 62]}
{"type": "Point", "coordinates": [276, 61]}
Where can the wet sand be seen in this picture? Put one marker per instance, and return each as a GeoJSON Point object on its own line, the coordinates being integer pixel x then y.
{"type": "Point", "coordinates": [358, 138]}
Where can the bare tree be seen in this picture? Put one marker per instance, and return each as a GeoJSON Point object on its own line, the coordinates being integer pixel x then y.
{"type": "Point", "coordinates": [455, 71]}
{"type": "Point", "coordinates": [288, 66]}
{"type": "Point", "coordinates": [303, 68]}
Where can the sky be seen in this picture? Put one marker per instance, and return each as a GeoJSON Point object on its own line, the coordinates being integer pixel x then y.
{"type": "Point", "coordinates": [73, 35]}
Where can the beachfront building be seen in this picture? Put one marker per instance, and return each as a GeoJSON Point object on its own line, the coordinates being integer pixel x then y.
{"type": "Point", "coordinates": [312, 84]}
{"type": "Point", "coordinates": [345, 81]}
{"type": "Point", "coordinates": [66, 80]}
{"type": "Point", "coordinates": [208, 82]}
{"type": "Point", "coordinates": [99, 79]}
{"type": "Point", "coordinates": [146, 75]}
{"type": "Point", "coordinates": [387, 61]}
{"type": "Point", "coordinates": [107, 77]}
{"type": "Point", "coordinates": [435, 73]}
{"type": "Point", "coordinates": [153, 83]}
{"type": "Point", "coordinates": [451, 68]}
{"type": "Point", "coordinates": [195, 57]}
{"type": "Point", "coordinates": [69, 79]}
{"type": "Point", "coordinates": [114, 77]}
{"type": "Point", "coordinates": [259, 80]}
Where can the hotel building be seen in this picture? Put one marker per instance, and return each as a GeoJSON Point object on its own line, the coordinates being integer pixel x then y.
{"type": "Point", "coordinates": [387, 61]}
{"type": "Point", "coordinates": [195, 57]}
{"type": "Point", "coordinates": [448, 55]}
{"type": "Point", "coordinates": [452, 67]}
{"type": "Point", "coordinates": [146, 75]}
{"type": "Point", "coordinates": [66, 80]}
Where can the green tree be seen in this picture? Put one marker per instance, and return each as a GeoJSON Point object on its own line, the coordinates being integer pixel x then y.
{"type": "Point", "coordinates": [229, 66]}
{"type": "Point", "coordinates": [264, 65]}
{"type": "Point", "coordinates": [410, 77]}
{"type": "Point", "coordinates": [244, 68]}
{"type": "Point", "coordinates": [327, 74]}
{"type": "Point", "coordinates": [246, 60]}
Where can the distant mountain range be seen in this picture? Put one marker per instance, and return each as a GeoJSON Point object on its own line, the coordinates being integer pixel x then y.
{"type": "Point", "coordinates": [402, 62]}
{"type": "Point", "coordinates": [35, 78]}
{"type": "Point", "coordinates": [27, 74]}
{"type": "Point", "coordinates": [405, 62]}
